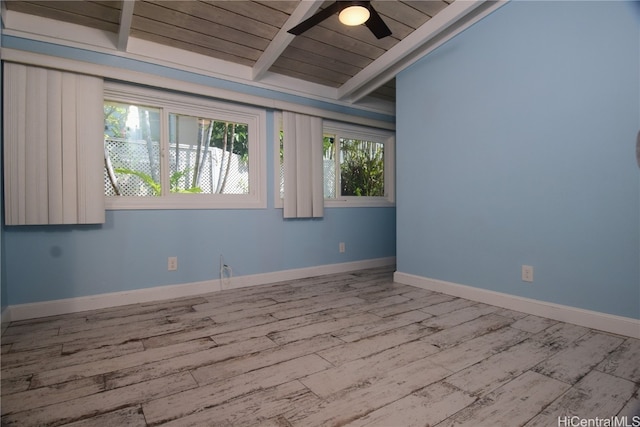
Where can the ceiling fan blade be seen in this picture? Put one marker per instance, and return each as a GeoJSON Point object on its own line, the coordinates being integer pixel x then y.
{"type": "Point", "coordinates": [316, 19]}
{"type": "Point", "coordinates": [377, 25]}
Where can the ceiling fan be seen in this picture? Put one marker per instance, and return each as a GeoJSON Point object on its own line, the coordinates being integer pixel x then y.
{"type": "Point", "coordinates": [350, 13]}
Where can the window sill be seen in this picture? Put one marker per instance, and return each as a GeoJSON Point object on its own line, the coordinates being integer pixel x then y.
{"type": "Point", "coordinates": [186, 201]}
{"type": "Point", "coordinates": [358, 202]}
{"type": "Point", "coordinates": [351, 203]}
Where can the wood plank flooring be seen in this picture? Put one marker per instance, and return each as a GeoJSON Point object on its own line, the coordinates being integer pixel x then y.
{"type": "Point", "coordinates": [350, 349]}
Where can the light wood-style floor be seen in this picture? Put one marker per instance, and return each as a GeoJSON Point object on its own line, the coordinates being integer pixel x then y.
{"type": "Point", "coordinates": [350, 349]}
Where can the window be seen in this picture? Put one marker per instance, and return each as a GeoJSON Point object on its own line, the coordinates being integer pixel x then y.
{"type": "Point", "coordinates": [178, 152]}
{"type": "Point", "coordinates": [358, 165]}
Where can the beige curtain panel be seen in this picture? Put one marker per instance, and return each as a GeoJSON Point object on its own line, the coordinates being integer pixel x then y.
{"type": "Point", "coordinates": [53, 147]}
{"type": "Point", "coordinates": [303, 170]}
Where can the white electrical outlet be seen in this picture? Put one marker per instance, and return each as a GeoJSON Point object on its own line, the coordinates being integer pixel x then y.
{"type": "Point", "coordinates": [527, 273]}
{"type": "Point", "coordinates": [341, 247]}
{"type": "Point", "coordinates": [172, 263]}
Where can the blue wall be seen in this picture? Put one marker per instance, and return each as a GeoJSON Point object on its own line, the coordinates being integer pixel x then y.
{"type": "Point", "coordinates": [516, 145]}
{"type": "Point", "coordinates": [130, 250]}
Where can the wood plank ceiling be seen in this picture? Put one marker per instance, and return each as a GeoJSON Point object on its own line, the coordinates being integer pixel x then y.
{"type": "Point", "coordinates": [253, 33]}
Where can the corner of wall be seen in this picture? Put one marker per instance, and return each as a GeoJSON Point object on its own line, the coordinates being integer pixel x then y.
{"type": "Point", "coordinates": [5, 318]}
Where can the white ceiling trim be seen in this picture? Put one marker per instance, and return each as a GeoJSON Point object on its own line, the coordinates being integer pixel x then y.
{"type": "Point", "coordinates": [47, 30]}
{"type": "Point", "coordinates": [280, 42]}
{"type": "Point", "coordinates": [126, 18]}
{"type": "Point", "coordinates": [185, 60]}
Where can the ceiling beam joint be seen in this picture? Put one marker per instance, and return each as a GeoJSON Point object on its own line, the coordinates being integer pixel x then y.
{"type": "Point", "coordinates": [280, 42]}
{"type": "Point", "coordinates": [442, 27]}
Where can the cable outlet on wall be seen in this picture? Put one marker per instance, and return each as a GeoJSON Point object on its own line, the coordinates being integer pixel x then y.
{"type": "Point", "coordinates": [341, 247]}
{"type": "Point", "coordinates": [527, 273]}
{"type": "Point", "coordinates": [172, 263]}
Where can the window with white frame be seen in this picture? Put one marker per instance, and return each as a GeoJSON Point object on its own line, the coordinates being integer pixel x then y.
{"type": "Point", "coordinates": [172, 151]}
{"type": "Point", "coordinates": [358, 165]}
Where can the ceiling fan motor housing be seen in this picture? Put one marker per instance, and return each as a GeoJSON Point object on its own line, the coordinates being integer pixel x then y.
{"type": "Point", "coordinates": [374, 21]}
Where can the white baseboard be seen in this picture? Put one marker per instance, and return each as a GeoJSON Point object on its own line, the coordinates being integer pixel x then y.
{"type": "Point", "coordinates": [592, 319]}
{"type": "Point", "coordinates": [301, 273]}
{"type": "Point", "coordinates": [114, 299]}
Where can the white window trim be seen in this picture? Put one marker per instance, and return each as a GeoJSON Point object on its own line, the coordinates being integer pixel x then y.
{"type": "Point", "coordinates": [191, 105]}
{"type": "Point", "coordinates": [346, 130]}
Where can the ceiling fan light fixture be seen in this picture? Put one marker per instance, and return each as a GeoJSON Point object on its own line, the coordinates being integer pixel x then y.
{"type": "Point", "coordinates": [354, 15]}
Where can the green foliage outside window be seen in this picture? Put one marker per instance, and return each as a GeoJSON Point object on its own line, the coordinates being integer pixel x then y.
{"type": "Point", "coordinates": [361, 168]}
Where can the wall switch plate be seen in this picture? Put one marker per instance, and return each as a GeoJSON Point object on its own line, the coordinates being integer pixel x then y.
{"type": "Point", "coordinates": [527, 273]}
{"type": "Point", "coordinates": [172, 263]}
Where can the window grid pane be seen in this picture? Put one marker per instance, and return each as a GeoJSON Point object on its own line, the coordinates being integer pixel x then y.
{"type": "Point", "coordinates": [132, 150]}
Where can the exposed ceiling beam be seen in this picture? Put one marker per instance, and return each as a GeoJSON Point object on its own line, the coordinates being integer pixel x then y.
{"type": "Point", "coordinates": [280, 42]}
{"type": "Point", "coordinates": [456, 17]}
{"type": "Point", "coordinates": [3, 13]}
{"type": "Point", "coordinates": [126, 18]}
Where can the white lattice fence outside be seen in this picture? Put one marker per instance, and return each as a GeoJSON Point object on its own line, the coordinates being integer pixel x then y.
{"type": "Point", "coordinates": [140, 160]}
{"type": "Point", "coordinates": [329, 178]}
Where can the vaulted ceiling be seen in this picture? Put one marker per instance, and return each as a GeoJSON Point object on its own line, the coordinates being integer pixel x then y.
{"type": "Point", "coordinates": [248, 40]}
